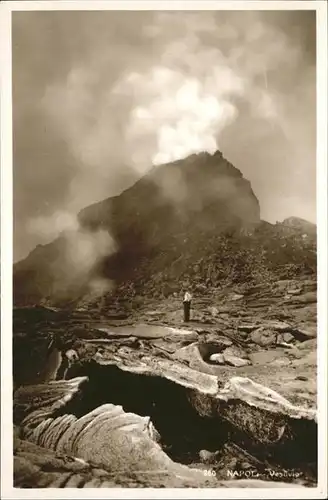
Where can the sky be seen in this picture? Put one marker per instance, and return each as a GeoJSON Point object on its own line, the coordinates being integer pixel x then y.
{"type": "Point", "coordinates": [99, 97]}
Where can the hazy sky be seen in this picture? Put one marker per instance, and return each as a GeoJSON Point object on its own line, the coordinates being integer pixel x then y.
{"type": "Point", "coordinates": [100, 96]}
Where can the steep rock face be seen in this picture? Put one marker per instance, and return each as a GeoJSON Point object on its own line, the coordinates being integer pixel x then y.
{"type": "Point", "coordinates": [185, 201]}
{"type": "Point", "coordinates": [214, 261]}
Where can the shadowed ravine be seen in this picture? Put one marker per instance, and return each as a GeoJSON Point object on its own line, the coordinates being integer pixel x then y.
{"type": "Point", "coordinates": [183, 431]}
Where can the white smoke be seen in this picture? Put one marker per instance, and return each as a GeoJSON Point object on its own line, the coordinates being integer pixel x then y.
{"type": "Point", "coordinates": [51, 226]}
{"type": "Point", "coordinates": [99, 287]}
{"type": "Point", "coordinates": [85, 248]}
{"type": "Point", "coordinates": [176, 96]}
{"type": "Point", "coordinates": [175, 100]}
{"type": "Point", "coordinates": [81, 252]}
{"type": "Point", "coordinates": [186, 115]}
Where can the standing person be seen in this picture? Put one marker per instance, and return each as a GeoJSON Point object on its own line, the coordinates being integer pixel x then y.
{"type": "Point", "coordinates": [186, 305]}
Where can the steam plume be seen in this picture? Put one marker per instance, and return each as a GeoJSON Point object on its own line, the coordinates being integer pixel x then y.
{"type": "Point", "coordinates": [133, 89]}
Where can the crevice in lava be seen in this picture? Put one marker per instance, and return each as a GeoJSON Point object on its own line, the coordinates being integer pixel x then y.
{"type": "Point", "coordinates": [183, 431]}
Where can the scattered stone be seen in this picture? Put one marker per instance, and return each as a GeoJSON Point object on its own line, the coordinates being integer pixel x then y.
{"type": "Point", "coordinates": [206, 349]}
{"type": "Point", "coordinates": [217, 358]}
{"type": "Point", "coordinates": [234, 361]}
{"type": "Point", "coordinates": [219, 341]}
{"type": "Point", "coordinates": [279, 339]}
{"type": "Point", "coordinates": [236, 296]}
{"type": "Point", "coordinates": [234, 350]}
{"type": "Point", "coordinates": [214, 311]}
{"type": "Point", "coordinates": [279, 326]}
{"type": "Point", "coordinates": [296, 291]}
{"type": "Point", "coordinates": [288, 337]}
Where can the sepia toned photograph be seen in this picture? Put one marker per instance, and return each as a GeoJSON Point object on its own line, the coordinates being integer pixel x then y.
{"type": "Point", "coordinates": [164, 249]}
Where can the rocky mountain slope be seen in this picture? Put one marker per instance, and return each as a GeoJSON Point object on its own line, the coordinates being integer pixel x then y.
{"type": "Point", "coordinates": [174, 204]}
{"type": "Point", "coordinates": [194, 221]}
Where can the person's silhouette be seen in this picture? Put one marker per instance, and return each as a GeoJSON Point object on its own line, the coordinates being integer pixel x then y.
{"type": "Point", "coordinates": [186, 305]}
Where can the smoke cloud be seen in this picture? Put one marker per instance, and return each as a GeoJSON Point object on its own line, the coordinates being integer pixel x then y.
{"type": "Point", "coordinates": [80, 252]}
{"type": "Point", "coordinates": [112, 93]}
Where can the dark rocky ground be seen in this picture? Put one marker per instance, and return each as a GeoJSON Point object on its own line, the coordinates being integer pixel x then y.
{"type": "Point", "coordinates": [115, 390]}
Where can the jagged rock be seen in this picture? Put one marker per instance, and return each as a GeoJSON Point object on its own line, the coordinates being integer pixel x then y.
{"type": "Point", "coordinates": [235, 351]}
{"type": "Point", "coordinates": [296, 291]}
{"type": "Point", "coordinates": [288, 337]}
{"type": "Point", "coordinates": [214, 311]}
{"type": "Point", "coordinates": [302, 335]}
{"type": "Point", "coordinates": [124, 443]}
{"type": "Point", "coordinates": [217, 358]}
{"type": "Point", "coordinates": [212, 345]}
{"type": "Point", "coordinates": [217, 341]}
{"type": "Point", "coordinates": [236, 296]}
{"type": "Point", "coordinates": [53, 396]}
{"type": "Point", "coordinates": [235, 361]}
{"type": "Point", "coordinates": [197, 357]}
{"type": "Point", "coordinates": [151, 332]}
{"type": "Point", "coordinates": [256, 394]}
{"type": "Point", "coordinates": [278, 326]}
